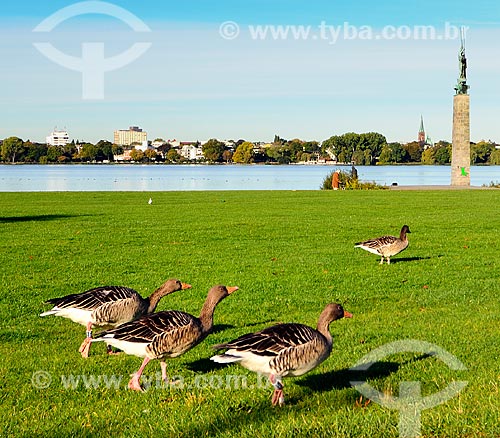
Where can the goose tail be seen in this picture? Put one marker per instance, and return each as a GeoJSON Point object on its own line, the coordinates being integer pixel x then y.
{"type": "Point", "coordinates": [225, 358]}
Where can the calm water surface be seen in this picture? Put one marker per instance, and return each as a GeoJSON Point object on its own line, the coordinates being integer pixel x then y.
{"type": "Point", "coordinates": [125, 177]}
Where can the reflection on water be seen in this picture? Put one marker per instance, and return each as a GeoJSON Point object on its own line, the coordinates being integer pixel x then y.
{"type": "Point", "coordinates": [125, 177]}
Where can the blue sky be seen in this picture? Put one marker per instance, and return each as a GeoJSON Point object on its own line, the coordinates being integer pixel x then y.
{"type": "Point", "coordinates": [343, 66]}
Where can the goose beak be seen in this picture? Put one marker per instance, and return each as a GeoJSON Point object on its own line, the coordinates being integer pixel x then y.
{"type": "Point", "coordinates": [347, 314]}
{"type": "Point", "coordinates": [186, 286]}
{"type": "Point", "coordinates": [231, 289]}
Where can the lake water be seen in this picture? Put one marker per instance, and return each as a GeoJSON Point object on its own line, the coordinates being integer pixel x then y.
{"type": "Point", "coordinates": [130, 177]}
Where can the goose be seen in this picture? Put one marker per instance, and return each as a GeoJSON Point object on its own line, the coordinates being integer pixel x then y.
{"type": "Point", "coordinates": [386, 246]}
{"type": "Point", "coordinates": [284, 349]}
{"type": "Point", "coordinates": [165, 334]}
{"type": "Point", "coordinates": [108, 306]}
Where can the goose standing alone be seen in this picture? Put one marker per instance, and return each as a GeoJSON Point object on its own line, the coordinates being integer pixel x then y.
{"type": "Point", "coordinates": [386, 246]}
{"type": "Point", "coordinates": [284, 349]}
{"type": "Point", "coordinates": [164, 334]}
{"type": "Point", "coordinates": [109, 306]}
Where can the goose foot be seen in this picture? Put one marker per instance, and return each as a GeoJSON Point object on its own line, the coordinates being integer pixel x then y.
{"type": "Point", "coordinates": [278, 397]}
{"type": "Point", "coordinates": [85, 347]}
{"type": "Point", "coordinates": [134, 383]}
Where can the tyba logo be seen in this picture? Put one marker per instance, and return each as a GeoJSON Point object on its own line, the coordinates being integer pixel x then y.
{"type": "Point", "coordinates": [92, 63]}
{"type": "Point", "coordinates": [410, 402]}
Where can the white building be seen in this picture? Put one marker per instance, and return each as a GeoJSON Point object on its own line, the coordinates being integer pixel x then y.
{"type": "Point", "coordinates": [191, 150]}
{"type": "Point", "coordinates": [134, 134]}
{"type": "Point", "coordinates": [58, 138]}
{"type": "Point", "coordinates": [144, 146]}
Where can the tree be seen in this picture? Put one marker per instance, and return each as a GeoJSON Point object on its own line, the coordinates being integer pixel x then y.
{"type": "Point", "coordinates": [360, 148]}
{"type": "Point", "coordinates": [368, 157]}
{"type": "Point", "coordinates": [494, 157]}
{"type": "Point", "coordinates": [442, 154]}
{"type": "Point", "coordinates": [372, 141]}
{"type": "Point", "coordinates": [480, 152]}
{"type": "Point", "coordinates": [358, 157]}
{"type": "Point", "coordinates": [278, 153]}
{"type": "Point", "coordinates": [244, 153]}
{"type": "Point", "coordinates": [414, 151]}
{"type": "Point", "coordinates": [278, 140]}
{"type": "Point", "coordinates": [311, 146]}
{"type": "Point", "coordinates": [53, 153]}
{"type": "Point", "coordinates": [336, 145]}
{"type": "Point", "coordinates": [105, 149]}
{"type": "Point", "coordinates": [34, 151]}
{"type": "Point", "coordinates": [12, 147]}
{"type": "Point", "coordinates": [136, 155]}
{"type": "Point", "coordinates": [296, 147]}
{"type": "Point", "coordinates": [213, 149]}
{"type": "Point", "coordinates": [88, 152]}
{"type": "Point", "coordinates": [386, 155]}
{"type": "Point", "coordinates": [399, 154]}
{"type": "Point", "coordinates": [116, 149]}
{"type": "Point", "coordinates": [173, 156]}
{"type": "Point", "coordinates": [70, 150]}
{"type": "Point", "coordinates": [150, 154]}
{"type": "Point", "coordinates": [227, 156]}
{"type": "Point", "coordinates": [427, 156]}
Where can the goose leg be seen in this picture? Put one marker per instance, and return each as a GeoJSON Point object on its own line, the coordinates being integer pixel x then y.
{"type": "Point", "coordinates": [278, 397]}
{"type": "Point", "coordinates": [388, 260]}
{"type": "Point", "coordinates": [85, 347]}
{"type": "Point", "coordinates": [134, 383]}
{"type": "Point", "coordinates": [163, 366]}
{"type": "Point", "coordinates": [382, 260]}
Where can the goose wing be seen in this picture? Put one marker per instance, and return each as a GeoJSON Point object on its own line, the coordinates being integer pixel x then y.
{"type": "Point", "coordinates": [94, 298]}
{"type": "Point", "coordinates": [272, 340]}
{"type": "Point", "coordinates": [147, 328]}
{"type": "Point", "coordinates": [117, 312]}
{"type": "Point", "coordinates": [378, 244]}
{"type": "Point", "coordinates": [283, 350]}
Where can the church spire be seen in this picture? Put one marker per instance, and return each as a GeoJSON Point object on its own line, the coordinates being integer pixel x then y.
{"type": "Point", "coordinates": [421, 132]}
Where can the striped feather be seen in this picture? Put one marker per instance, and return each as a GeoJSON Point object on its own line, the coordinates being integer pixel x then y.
{"type": "Point", "coordinates": [272, 340]}
{"type": "Point", "coordinates": [377, 245]}
{"type": "Point", "coordinates": [145, 329]}
{"type": "Point", "coordinates": [93, 298]}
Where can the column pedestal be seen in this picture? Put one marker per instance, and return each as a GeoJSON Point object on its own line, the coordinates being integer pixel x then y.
{"type": "Point", "coordinates": [460, 155]}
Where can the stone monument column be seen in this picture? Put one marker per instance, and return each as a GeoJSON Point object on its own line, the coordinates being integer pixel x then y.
{"type": "Point", "coordinates": [460, 153]}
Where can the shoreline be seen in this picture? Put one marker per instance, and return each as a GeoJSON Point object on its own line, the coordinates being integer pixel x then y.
{"type": "Point", "coordinates": [441, 187]}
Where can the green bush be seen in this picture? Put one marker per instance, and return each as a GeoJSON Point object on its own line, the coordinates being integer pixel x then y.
{"type": "Point", "coordinates": [348, 182]}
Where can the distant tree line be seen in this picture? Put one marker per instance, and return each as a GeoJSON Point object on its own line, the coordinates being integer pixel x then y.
{"type": "Point", "coordinates": [361, 149]}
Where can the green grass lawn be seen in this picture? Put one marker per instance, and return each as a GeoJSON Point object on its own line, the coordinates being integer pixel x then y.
{"type": "Point", "coordinates": [290, 253]}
